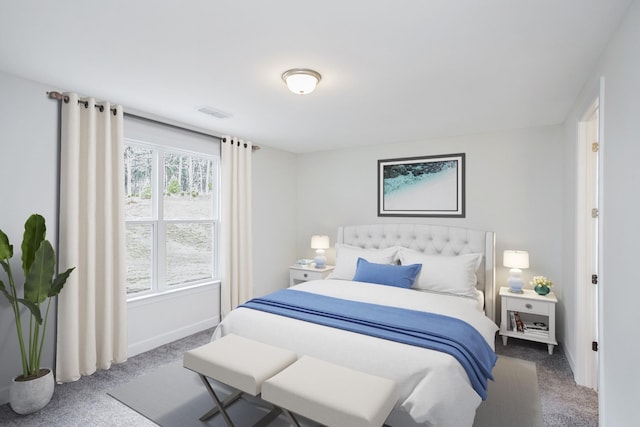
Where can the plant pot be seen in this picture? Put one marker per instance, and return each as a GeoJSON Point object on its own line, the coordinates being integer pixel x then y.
{"type": "Point", "coordinates": [542, 290]}
{"type": "Point", "coordinates": [26, 397]}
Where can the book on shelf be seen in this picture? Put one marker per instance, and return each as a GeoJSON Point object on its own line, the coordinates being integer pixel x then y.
{"type": "Point", "coordinates": [536, 329]}
{"type": "Point", "coordinates": [516, 322]}
{"type": "Point", "coordinates": [535, 326]}
{"type": "Point", "coordinates": [530, 328]}
{"type": "Point", "coordinates": [535, 333]}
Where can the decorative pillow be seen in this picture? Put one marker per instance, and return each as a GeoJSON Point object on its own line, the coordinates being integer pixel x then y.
{"type": "Point", "coordinates": [347, 258]}
{"type": "Point", "coordinates": [401, 276]}
{"type": "Point", "coordinates": [439, 273]}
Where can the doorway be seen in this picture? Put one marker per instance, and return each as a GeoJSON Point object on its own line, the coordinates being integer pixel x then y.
{"type": "Point", "coordinates": [588, 243]}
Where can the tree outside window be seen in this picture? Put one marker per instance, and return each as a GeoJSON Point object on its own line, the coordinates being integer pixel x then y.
{"type": "Point", "coordinates": [172, 218]}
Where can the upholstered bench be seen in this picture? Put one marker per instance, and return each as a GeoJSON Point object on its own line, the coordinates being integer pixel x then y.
{"type": "Point", "coordinates": [240, 363]}
{"type": "Point", "coordinates": [330, 394]}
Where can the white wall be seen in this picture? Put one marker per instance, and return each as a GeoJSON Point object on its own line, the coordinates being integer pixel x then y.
{"type": "Point", "coordinates": [568, 241]}
{"type": "Point", "coordinates": [619, 290]}
{"type": "Point", "coordinates": [29, 171]}
{"type": "Point", "coordinates": [274, 219]}
{"type": "Point", "coordinates": [161, 319]}
{"type": "Point", "coordinates": [511, 188]}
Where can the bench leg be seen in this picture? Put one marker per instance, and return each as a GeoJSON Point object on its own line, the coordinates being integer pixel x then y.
{"type": "Point", "coordinates": [293, 420]}
{"type": "Point", "coordinates": [219, 405]}
{"type": "Point", "coordinates": [228, 401]}
{"type": "Point", "coordinates": [267, 419]}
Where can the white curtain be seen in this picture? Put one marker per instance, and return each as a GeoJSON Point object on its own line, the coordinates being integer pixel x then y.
{"type": "Point", "coordinates": [236, 250]}
{"type": "Point", "coordinates": [92, 306]}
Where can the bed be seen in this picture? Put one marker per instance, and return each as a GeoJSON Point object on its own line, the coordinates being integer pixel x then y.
{"type": "Point", "coordinates": [435, 387]}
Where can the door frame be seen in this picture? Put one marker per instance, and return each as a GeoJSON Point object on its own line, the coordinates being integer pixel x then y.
{"type": "Point", "coordinates": [588, 323]}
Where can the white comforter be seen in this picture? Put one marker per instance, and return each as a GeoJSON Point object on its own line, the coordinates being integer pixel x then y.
{"type": "Point", "coordinates": [434, 388]}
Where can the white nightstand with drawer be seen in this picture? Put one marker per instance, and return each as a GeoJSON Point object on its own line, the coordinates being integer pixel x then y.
{"type": "Point", "coordinates": [534, 310]}
{"type": "Point", "coordinates": [298, 274]}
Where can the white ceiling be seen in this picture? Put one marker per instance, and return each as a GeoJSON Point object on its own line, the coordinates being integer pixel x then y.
{"type": "Point", "coordinates": [392, 71]}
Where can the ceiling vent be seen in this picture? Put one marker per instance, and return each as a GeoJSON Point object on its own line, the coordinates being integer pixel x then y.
{"type": "Point", "coordinates": [213, 112]}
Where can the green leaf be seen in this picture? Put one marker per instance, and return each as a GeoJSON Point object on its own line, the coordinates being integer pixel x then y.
{"type": "Point", "coordinates": [59, 282]}
{"type": "Point", "coordinates": [33, 308]}
{"type": "Point", "coordinates": [34, 233]}
{"type": "Point", "coordinates": [37, 284]}
{"type": "Point", "coordinates": [6, 249]}
{"type": "Point", "coordinates": [5, 266]}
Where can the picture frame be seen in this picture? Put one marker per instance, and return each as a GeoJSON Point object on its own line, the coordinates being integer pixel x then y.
{"type": "Point", "coordinates": [426, 186]}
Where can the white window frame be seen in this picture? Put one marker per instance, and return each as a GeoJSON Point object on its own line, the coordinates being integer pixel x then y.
{"type": "Point", "coordinates": [159, 147]}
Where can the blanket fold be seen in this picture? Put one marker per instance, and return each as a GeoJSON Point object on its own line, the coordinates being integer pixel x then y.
{"type": "Point", "coordinates": [428, 330]}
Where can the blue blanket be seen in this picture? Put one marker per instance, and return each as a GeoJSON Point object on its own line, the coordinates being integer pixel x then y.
{"type": "Point", "coordinates": [428, 330]}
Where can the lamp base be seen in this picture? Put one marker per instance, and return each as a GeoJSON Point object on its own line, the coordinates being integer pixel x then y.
{"type": "Point", "coordinates": [515, 281]}
{"type": "Point", "coordinates": [320, 262]}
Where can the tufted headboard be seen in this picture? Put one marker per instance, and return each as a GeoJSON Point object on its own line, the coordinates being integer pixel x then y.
{"type": "Point", "coordinates": [433, 240]}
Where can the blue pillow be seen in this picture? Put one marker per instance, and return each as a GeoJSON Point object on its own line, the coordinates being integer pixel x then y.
{"type": "Point", "coordinates": [401, 276]}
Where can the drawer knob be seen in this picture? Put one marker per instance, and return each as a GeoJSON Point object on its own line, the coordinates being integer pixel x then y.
{"type": "Point", "coordinates": [305, 275]}
{"type": "Point", "coordinates": [529, 306]}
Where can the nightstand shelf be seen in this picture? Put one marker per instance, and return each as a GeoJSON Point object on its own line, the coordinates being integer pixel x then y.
{"type": "Point", "coordinates": [298, 274]}
{"type": "Point", "coordinates": [531, 308]}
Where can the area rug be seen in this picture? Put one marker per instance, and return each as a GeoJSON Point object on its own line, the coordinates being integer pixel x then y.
{"type": "Point", "coordinates": [513, 399]}
{"type": "Point", "coordinates": [173, 396]}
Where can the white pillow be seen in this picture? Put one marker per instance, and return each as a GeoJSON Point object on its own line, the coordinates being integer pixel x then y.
{"type": "Point", "coordinates": [449, 274]}
{"type": "Point", "coordinates": [347, 259]}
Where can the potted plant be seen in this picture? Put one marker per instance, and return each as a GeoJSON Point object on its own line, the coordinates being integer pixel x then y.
{"type": "Point", "coordinates": [541, 285]}
{"type": "Point", "coordinates": [32, 390]}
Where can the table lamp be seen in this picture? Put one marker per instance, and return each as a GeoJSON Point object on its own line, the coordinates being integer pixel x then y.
{"type": "Point", "coordinates": [320, 243]}
{"type": "Point", "coordinates": [516, 260]}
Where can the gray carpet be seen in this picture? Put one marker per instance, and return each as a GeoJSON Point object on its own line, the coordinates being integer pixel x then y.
{"type": "Point", "coordinates": [86, 402]}
{"type": "Point", "coordinates": [175, 397]}
{"type": "Point", "coordinates": [564, 404]}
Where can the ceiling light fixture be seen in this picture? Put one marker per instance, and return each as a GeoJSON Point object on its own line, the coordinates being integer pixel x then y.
{"type": "Point", "coordinates": [301, 80]}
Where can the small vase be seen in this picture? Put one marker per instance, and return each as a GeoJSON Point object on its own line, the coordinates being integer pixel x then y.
{"type": "Point", "coordinates": [542, 290]}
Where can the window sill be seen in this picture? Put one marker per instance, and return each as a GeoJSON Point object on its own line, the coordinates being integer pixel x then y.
{"type": "Point", "coordinates": [172, 293]}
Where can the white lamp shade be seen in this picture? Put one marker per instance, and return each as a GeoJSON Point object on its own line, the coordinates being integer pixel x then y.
{"type": "Point", "coordinates": [515, 259]}
{"type": "Point", "coordinates": [301, 81]}
{"type": "Point", "coordinates": [319, 242]}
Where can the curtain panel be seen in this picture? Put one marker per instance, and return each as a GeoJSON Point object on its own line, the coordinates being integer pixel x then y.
{"type": "Point", "coordinates": [92, 309]}
{"type": "Point", "coordinates": [236, 250]}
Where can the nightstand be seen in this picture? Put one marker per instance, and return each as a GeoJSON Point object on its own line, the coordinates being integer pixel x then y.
{"type": "Point", "coordinates": [299, 274]}
{"type": "Point", "coordinates": [536, 311]}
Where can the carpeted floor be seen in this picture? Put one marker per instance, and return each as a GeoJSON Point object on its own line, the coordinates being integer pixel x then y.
{"type": "Point", "coordinates": [85, 402]}
{"type": "Point", "coordinates": [172, 396]}
{"type": "Point", "coordinates": [564, 404]}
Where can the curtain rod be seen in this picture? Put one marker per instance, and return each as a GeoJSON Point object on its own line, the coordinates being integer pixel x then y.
{"type": "Point", "coordinates": [60, 97]}
{"type": "Point", "coordinates": [65, 98]}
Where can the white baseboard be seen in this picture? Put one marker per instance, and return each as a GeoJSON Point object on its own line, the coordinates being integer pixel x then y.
{"type": "Point", "coordinates": [167, 337]}
{"type": "Point", "coordinates": [571, 360]}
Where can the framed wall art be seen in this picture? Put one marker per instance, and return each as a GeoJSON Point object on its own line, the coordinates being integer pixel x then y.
{"type": "Point", "coordinates": [430, 186]}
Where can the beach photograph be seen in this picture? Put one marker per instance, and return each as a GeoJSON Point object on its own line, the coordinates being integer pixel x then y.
{"type": "Point", "coordinates": [421, 186]}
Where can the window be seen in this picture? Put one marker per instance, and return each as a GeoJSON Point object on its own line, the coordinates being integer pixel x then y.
{"type": "Point", "coordinates": [171, 207]}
